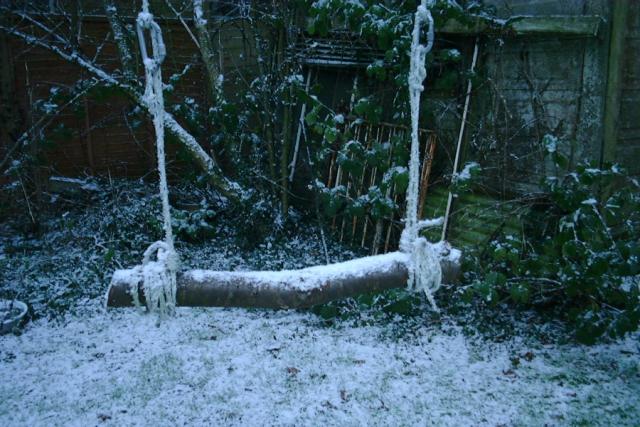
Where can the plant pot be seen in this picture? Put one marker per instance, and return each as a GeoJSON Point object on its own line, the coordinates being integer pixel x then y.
{"type": "Point", "coordinates": [11, 314]}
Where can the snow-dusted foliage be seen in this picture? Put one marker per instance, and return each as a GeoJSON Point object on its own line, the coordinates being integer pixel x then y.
{"type": "Point", "coordinates": [578, 252]}
{"type": "Point", "coordinates": [425, 273]}
{"type": "Point", "coordinates": [466, 173]}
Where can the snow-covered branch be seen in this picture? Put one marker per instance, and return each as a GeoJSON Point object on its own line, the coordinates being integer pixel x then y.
{"type": "Point", "coordinates": [119, 35]}
{"type": "Point", "coordinates": [43, 122]}
{"type": "Point", "coordinates": [207, 51]}
{"type": "Point", "coordinates": [203, 159]}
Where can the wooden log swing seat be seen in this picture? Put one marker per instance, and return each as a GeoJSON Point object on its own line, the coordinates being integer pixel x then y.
{"type": "Point", "coordinates": [418, 265]}
{"type": "Point", "coordinates": [284, 289]}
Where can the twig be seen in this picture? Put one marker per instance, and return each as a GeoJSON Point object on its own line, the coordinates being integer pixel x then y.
{"type": "Point", "coordinates": [182, 21]}
{"type": "Point", "coordinates": [467, 101]}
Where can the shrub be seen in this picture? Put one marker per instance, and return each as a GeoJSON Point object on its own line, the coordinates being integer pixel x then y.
{"type": "Point", "coordinates": [578, 253]}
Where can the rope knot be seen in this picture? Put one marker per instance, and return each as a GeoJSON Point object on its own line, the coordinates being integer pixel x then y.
{"type": "Point", "coordinates": [159, 278]}
{"type": "Point", "coordinates": [144, 22]}
{"type": "Point", "coordinates": [145, 19]}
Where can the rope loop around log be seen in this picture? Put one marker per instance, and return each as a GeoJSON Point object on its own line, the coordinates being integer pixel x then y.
{"type": "Point", "coordinates": [161, 250]}
{"type": "Point", "coordinates": [158, 278]}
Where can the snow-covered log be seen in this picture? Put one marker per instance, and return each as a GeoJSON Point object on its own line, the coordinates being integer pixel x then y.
{"type": "Point", "coordinates": [284, 289]}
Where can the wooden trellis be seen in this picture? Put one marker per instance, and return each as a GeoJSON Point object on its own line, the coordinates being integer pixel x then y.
{"type": "Point", "coordinates": [377, 234]}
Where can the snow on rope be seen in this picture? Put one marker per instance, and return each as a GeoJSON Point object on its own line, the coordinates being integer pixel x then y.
{"type": "Point", "coordinates": [157, 277]}
{"type": "Point", "coordinates": [425, 273]}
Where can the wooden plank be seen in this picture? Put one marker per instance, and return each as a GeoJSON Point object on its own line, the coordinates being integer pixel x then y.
{"type": "Point", "coordinates": [560, 25]}
{"type": "Point", "coordinates": [557, 25]}
{"type": "Point", "coordinates": [614, 78]}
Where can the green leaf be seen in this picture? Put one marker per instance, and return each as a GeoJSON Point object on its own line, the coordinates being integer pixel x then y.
{"type": "Point", "coordinates": [311, 28]}
{"type": "Point", "coordinates": [404, 306]}
{"type": "Point", "coordinates": [109, 255]}
{"type": "Point", "coordinates": [331, 134]}
{"type": "Point", "coordinates": [590, 326]}
{"type": "Point", "coordinates": [495, 278]}
{"type": "Point", "coordinates": [572, 249]}
{"type": "Point", "coordinates": [520, 293]}
{"type": "Point", "coordinates": [312, 117]}
{"type": "Point", "coordinates": [326, 311]}
{"type": "Point", "coordinates": [401, 181]}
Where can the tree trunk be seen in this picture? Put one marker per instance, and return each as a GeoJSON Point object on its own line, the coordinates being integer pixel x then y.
{"type": "Point", "coordinates": [207, 51]}
{"type": "Point", "coordinates": [8, 103]}
{"type": "Point", "coordinates": [127, 59]}
{"type": "Point", "coordinates": [283, 289]}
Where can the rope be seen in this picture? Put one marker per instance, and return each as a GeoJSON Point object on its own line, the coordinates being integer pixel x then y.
{"type": "Point", "coordinates": [425, 272]}
{"type": "Point", "coordinates": [158, 277]}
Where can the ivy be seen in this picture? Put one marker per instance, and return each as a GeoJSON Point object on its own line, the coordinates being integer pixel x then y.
{"type": "Point", "coordinates": [579, 254]}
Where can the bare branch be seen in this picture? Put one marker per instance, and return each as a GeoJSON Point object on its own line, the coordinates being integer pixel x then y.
{"type": "Point", "coordinates": [203, 159]}
{"type": "Point", "coordinates": [207, 51]}
{"type": "Point", "coordinates": [182, 21]}
{"type": "Point", "coordinates": [43, 122]}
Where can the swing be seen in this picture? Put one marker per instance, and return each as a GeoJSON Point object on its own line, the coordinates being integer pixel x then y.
{"type": "Point", "coordinates": [419, 264]}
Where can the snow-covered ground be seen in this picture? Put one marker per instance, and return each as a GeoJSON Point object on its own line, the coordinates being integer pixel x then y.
{"type": "Point", "coordinates": [79, 365]}
{"type": "Point", "coordinates": [239, 367]}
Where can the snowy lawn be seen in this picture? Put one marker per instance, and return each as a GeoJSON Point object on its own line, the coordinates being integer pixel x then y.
{"type": "Point", "coordinates": [79, 365]}
{"type": "Point", "coordinates": [239, 367]}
